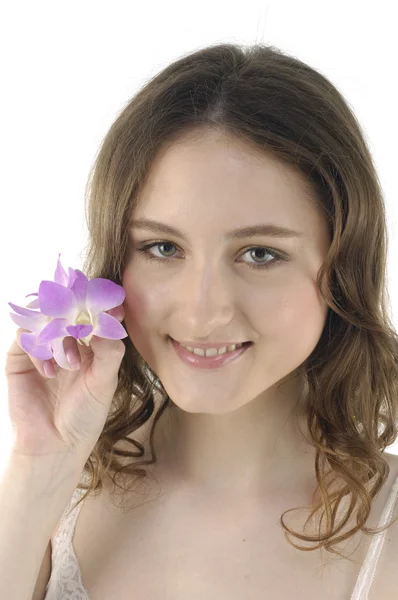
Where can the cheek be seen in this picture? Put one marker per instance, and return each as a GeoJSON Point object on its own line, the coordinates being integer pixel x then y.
{"type": "Point", "coordinates": [294, 311]}
{"type": "Point", "coordinates": [142, 304]}
{"type": "Point", "coordinates": [298, 320]}
{"type": "Point", "coordinates": [291, 325]}
{"type": "Point", "coordinates": [144, 311]}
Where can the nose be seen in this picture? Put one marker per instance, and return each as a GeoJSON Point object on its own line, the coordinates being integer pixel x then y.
{"type": "Point", "coordinates": [206, 301]}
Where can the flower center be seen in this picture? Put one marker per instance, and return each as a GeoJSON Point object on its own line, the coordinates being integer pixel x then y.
{"type": "Point", "coordinates": [83, 319]}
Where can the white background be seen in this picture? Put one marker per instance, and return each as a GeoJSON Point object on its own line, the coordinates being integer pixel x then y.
{"type": "Point", "coordinates": [68, 68]}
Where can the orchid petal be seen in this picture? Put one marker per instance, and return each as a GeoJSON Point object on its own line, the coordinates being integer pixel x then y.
{"type": "Point", "coordinates": [34, 324]}
{"type": "Point", "coordinates": [59, 354]}
{"type": "Point", "coordinates": [34, 303]}
{"type": "Point", "coordinates": [79, 288]}
{"type": "Point", "coordinates": [26, 312]}
{"type": "Point", "coordinates": [79, 331]}
{"type": "Point", "coordinates": [60, 275]}
{"type": "Point", "coordinates": [29, 344]}
{"type": "Point", "coordinates": [108, 327]}
{"type": "Point", "coordinates": [54, 329]}
{"type": "Point", "coordinates": [57, 301]}
{"type": "Point", "coordinates": [103, 294]}
{"type": "Point", "coordinates": [71, 277]}
{"type": "Point", "coordinates": [81, 274]}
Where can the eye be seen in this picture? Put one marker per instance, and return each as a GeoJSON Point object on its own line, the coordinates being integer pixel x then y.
{"type": "Point", "coordinates": [277, 256]}
{"type": "Point", "coordinates": [263, 251]}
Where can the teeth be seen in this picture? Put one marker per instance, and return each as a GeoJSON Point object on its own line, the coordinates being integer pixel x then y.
{"type": "Point", "coordinates": [212, 351]}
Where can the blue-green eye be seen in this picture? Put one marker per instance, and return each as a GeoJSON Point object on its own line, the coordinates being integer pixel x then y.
{"type": "Point", "coordinates": [277, 257]}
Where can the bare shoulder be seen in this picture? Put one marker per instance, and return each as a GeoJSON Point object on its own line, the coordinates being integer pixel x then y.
{"type": "Point", "coordinates": [385, 582]}
{"type": "Point", "coordinates": [393, 463]}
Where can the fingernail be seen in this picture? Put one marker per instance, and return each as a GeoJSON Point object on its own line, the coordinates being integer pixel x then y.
{"type": "Point", "coordinates": [70, 358]}
{"type": "Point", "coordinates": [48, 371]}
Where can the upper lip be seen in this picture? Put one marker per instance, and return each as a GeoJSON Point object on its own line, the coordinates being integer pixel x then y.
{"type": "Point", "coordinates": [213, 345]}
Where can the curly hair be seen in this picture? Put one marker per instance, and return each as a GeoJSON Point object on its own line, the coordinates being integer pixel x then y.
{"type": "Point", "coordinates": [279, 105]}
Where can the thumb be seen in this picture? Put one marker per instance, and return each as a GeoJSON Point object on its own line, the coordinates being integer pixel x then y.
{"type": "Point", "coordinates": [107, 356]}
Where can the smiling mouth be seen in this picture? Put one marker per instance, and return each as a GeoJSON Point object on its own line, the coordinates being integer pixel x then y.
{"type": "Point", "coordinates": [205, 346]}
{"type": "Point", "coordinates": [227, 348]}
{"type": "Point", "coordinates": [197, 359]}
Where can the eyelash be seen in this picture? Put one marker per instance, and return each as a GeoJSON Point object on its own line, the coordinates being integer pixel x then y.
{"type": "Point", "coordinates": [276, 260]}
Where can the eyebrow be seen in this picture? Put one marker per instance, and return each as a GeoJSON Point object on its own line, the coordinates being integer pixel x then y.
{"type": "Point", "coordinates": [252, 231]}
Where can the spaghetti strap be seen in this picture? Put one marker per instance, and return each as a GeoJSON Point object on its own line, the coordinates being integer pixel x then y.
{"type": "Point", "coordinates": [368, 570]}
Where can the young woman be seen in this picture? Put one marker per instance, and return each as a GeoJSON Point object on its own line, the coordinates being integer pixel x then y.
{"type": "Point", "coordinates": [236, 201]}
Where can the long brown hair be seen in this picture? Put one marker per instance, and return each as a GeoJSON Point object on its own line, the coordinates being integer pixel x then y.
{"type": "Point", "coordinates": [278, 105]}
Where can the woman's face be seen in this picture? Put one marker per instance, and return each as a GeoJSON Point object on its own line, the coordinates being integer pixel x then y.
{"type": "Point", "coordinates": [206, 288]}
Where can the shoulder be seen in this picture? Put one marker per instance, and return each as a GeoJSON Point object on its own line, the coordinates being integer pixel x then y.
{"type": "Point", "coordinates": [389, 486]}
{"type": "Point", "coordinates": [385, 582]}
{"type": "Point", "coordinates": [392, 460]}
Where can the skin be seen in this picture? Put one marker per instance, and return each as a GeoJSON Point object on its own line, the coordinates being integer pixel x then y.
{"type": "Point", "coordinates": [230, 431]}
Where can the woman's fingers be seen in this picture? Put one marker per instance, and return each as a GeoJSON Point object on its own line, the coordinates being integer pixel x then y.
{"type": "Point", "coordinates": [117, 312]}
{"type": "Point", "coordinates": [71, 348]}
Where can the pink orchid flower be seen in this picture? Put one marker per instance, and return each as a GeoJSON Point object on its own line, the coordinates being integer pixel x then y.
{"type": "Point", "coordinates": [71, 305]}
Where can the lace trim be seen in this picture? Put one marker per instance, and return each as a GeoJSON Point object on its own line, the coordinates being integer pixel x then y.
{"type": "Point", "coordinates": [66, 582]}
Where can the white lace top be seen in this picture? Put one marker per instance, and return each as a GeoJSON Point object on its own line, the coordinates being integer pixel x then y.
{"type": "Point", "coordinates": [66, 582]}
